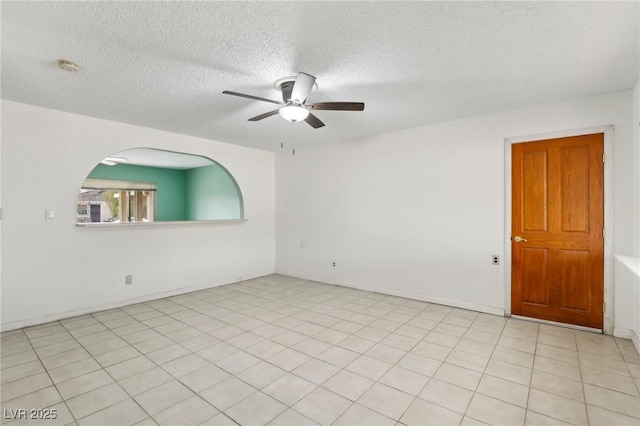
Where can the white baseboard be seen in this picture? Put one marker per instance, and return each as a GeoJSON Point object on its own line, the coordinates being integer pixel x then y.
{"type": "Point", "coordinates": [97, 308]}
{"type": "Point", "coordinates": [622, 333]}
{"type": "Point", "coordinates": [406, 294]}
{"type": "Point", "coordinates": [636, 341]}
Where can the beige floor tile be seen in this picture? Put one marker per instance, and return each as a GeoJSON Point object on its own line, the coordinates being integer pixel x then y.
{"type": "Point", "coordinates": [480, 336]}
{"type": "Point", "coordinates": [473, 347]}
{"type": "Point", "coordinates": [24, 386]}
{"type": "Point", "coordinates": [289, 389]}
{"type": "Point", "coordinates": [288, 359]}
{"type": "Point", "coordinates": [291, 418]}
{"type": "Point", "coordinates": [288, 338]}
{"type": "Point", "coordinates": [199, 342]}
{"type": "Point", "coordinates": [387, 401]}
{"type": "Point", "coordinates": [130, 367]}
{"type": "Point", "coordinates": [424, 413]}
{"type": "Point", "coordinates": [114, 357]}
{"type": "Point", "coordinates": [431, 350]}
{"type": "Point", "coordinates": [609, 380]}
{"type": "Point", "coordinates": [495, 412]}
{"type": "Point", "coordinates": [23, 370]}
{"type": "Point", "coordinates": [83, 384]}
{"type": "Point", "coordinates": [267, 348]}
{"type": "Point", "coordinates": [217, 352]}
{"type": "Point", "coordinates": [413, 330]}
{"type": "Point", "coordinates": [447, 395]}
{"type": "Point", "coordinates": [557, 385]}
{"type": "Point", "coordinates": [601, 417]}
{"type": "Point", "coordinates": [322, 406]}
{"type": "Point", "coordinates": [162, 397]}
{"type": "Point", "coordinates": [558, 407]}
{"type": "Point", "coordinates": [96, 400]}
{"type": "Point", "coordinates": [145, 380]}
{"type": "Point", "coordinates": [153, 344]}
{"type": "Point", "coordinates": [611, 400]}
{"type": "Point", "coordinates": [337, 356]}
{"type": "Point", "coordinates": [359, 415]}
{"type": "Point", "coordinates": [368, 367]}
{"type": "Point", "coordinates": [237, 362]}
{"type": "Point", "coordinates": [19, 358]}
{"type": "Point", "coordinates": [331, 336]}
{"type": "Point", "coordinates": [442, 339]}
{"type": "Point", "coordinates": [168, 353]}
{"type": "Point", "coordinates": [450, 329]}
{"type": "Point", "coordinates": [458, 376]}
{"type": "Point", "coordinates": [399, 341]}
{"type": "Point", "coordinates": [348, 385]}
{"type": "Point", "coordinates": [192, 411]}
{"type": "Point", "coordinates": [419, 364]}
{"type": "Point", "coordinates": [518, 344]}
{"type": "Point", "coordinates": [39, 399]}
{"type": "Point", "coordinates": [405, 380]}
{"type": "Point", "coordinates": [245, 340]}
{"type": "Point", "coordinates": [468, 360]}
{"type": "Point", "coordinates": [469, 421]}
{"type": "Point", "coordinates": [104, 346]}
{"type": "Point", "coordinates": [559, 354]}
{"type": "Point", "coordinates": [257, 409]}
{"type": "Point", "coordinates": [504, 390]}
{"type": "Point", "coordinates": [41, 341]}
{"type": "Point", "coordinates": [507, 371]}
{"type": "Point", "coordinates": [141, 336]}
{"type": "Point", "coordinates": [558, 368]}
{"type": "Point", "coordinates": [226, 393]}
{"type": "Point", "coordinates": [512, 356]}
{"type": "Point", "coordinates": [536, 419]}
{"type": "Point", "coordinates": [356, 344]}
{"type": "Point", "coordinates": [261, 374]}
{"type": "Point", "coordinates": [316, 371]}
{"type": "Point", "coordinates": [568, 342]}
{"type": "Point", "coordinates": [124, 413]}
{"type": "Point", "coordinates": [386, 353]}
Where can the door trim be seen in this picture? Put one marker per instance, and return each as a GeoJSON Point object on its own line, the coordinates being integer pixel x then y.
{"type": "Point", "coordinates": [607, 323]}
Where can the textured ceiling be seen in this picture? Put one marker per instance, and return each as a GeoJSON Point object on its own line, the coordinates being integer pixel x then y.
{"type": "Point", "coordinates": [164, 64]}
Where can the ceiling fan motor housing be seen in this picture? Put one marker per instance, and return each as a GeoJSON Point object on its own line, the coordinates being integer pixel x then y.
{"type": "Point", "coordinates": [286, 89]}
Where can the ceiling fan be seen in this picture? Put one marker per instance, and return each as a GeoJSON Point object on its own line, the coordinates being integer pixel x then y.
{"type": "Point", "coordinates": [294, 95]}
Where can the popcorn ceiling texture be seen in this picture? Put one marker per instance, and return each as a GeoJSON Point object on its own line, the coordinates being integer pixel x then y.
{"type": "Point", "coordinates": [164, 64]}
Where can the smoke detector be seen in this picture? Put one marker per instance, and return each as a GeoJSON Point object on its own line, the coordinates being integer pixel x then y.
{"type": "Point", "coordinates": [66, 65]}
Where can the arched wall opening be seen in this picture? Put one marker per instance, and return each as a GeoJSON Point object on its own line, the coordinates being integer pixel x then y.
{"type": "Point", "coordinates": [153, 185]}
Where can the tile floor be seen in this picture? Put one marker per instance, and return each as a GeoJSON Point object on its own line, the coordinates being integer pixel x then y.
{"type": "Point", "coordinates": [283, 351]}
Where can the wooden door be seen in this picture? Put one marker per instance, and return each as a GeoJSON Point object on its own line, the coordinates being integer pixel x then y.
{"type": "Point", "coordinates": [557, 230]}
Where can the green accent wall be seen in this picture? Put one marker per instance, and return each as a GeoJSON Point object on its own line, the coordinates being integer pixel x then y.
{"type": "Point", "coordinates": [211, 193]}
{"type": "Point", "coordinates": [170, 186]}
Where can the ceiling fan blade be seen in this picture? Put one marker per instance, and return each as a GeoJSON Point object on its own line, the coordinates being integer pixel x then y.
{"type": "Point", "coordinates": [257, 98]}
{"type": "Point", "coordinates": [338, 106]}
{"type": "Point", "coordinates": [314, 121]}
{"type": "Point", "coordinates": [265, 115]}
{"type": "Point", "coordinates": [302, 87]}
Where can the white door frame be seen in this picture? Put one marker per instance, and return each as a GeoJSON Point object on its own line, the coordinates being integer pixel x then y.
{"type": "Point", "coordinates": [607, 324]}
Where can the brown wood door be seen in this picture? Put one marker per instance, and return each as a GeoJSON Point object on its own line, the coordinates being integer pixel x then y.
{"type": "Point", "coordinates": [557, 270]}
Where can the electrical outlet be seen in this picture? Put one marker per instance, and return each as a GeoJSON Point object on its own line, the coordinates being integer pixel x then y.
{"type": "Point", "coordinates": [333, 265]}
{"type": "Point", "coordinates": [128, 279]}
{"type": "Point", "coordinates": [49, 214]}
{"type": "Point", "coordinates": [495, 259]}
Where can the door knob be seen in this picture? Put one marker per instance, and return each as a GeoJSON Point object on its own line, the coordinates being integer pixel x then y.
{"type": "Point", "coordinates": [519, 239]}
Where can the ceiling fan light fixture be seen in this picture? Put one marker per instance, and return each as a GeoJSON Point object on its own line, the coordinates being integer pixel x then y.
{"type": "Point", "coordinates": [294, 113]}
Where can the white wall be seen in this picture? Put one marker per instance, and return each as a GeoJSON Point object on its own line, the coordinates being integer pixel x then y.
{"type": "Point", "coordinates": [53, 268]}
{"type": "Point", "coordinates": [419, 212]}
